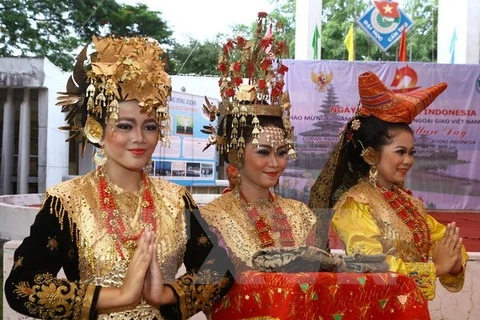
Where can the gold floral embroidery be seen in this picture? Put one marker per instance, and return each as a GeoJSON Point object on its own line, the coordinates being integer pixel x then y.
{"type": "Point", "coordinates": [18, 263]}
{"type": "Point", "coordinates": [52, 243]}
{"type": "Point", "coordinates": [23, 289]}
{"type": "Point", "coordinates": [201, 288]}
{"type": "Point", "coordinates": [48, 297]}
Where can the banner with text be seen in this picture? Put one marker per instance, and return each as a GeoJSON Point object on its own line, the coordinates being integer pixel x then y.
{"type": "Point", "coordinates": [185, 162]}
{"type": "Point", "coordinates": [324, 97]}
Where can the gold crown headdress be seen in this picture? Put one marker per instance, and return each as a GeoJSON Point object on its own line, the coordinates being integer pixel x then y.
{"type": "Point", "coordinates": [252, 84]}
{"type": "Point", "coordinates": [121, 69]}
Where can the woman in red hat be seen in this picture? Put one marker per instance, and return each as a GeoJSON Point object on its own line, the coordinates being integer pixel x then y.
{"type": "Point", "coordinates": [373, 212]}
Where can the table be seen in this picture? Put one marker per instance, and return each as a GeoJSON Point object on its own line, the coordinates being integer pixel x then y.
{"type": "Point", "coordinates": [322, 295]}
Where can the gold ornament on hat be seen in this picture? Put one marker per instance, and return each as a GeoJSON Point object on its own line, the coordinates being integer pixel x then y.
{"type": "Point", "coordinates": [252, 84]}
{"type": "Point", "coordinates": [121, 69]}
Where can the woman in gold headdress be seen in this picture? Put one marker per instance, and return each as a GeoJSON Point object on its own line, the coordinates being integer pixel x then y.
{"type": "Point", "coordinates": [119, 235]}
{"type": "Point", "coordinates": [255, 136]}
{"type": "Point", "coordinates": [373, 212]}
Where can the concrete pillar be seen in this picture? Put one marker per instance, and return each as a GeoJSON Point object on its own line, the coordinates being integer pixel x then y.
{"type": "Point", "coordinates": [308, 14]}
{"type": "Point", "coordinates": [23, 166]}
{"type": "Point", "coordinates": [462, 18]}
{"type": "Point", "coordinates": [8, 135]}
{"type": "Point", "coordinates": [42, 138]}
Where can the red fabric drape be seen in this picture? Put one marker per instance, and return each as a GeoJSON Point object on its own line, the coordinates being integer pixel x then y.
{"type": "Point", "coordinates": [322, 295]}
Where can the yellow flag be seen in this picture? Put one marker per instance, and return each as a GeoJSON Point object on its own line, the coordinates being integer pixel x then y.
{"type": "Point", "coordinates": [350, 44]}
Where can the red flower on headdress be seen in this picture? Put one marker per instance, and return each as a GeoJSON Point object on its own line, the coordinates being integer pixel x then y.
{"type": "Point", "coordinates": [262, 14]}
{"type": "Point", "coordinates": [275, 92]}
{"type": "Point", "coordinates": [262, 84]}
{"type": "Point", "coordinates": [265, 42]}
{"type": "Point", "coordinates": [282, 69]}
{"type": "Point", "coordinates": [238, 81]}
{"type": "Point", "coordinates": [227, 47]}
{"type": "Point", "coordinates": [236, 67]}
{"type": "Point", "coordinates": [222, 67]}
{"type": "Point", "coordinates": [279, 85]}
{"type": "Point", "coordinates": [230, 92]}
{"type": "Point", "coordinates": [281, 48]}
{"type": "Point", "coordinates": [266, 64]}
{"type": "Point", "coordinates": [349, 135]}
{"type": "Point", "coordinates": [240, 41]}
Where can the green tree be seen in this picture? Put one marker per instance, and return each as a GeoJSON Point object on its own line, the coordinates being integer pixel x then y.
{"type": "Point", "coordinates": [57, 29]}
{"type": "Point", "coordinates": [195, 57]}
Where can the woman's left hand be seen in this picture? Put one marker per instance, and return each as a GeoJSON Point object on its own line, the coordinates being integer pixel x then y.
{"type": "Point", "coordinates": [153, 288]}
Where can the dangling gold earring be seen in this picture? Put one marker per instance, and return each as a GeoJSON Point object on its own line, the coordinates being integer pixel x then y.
{"type": "Point", "coordinates": [239, 181]}
{"type": "Point", "coordinates": [373, 175]}
{"type": "Point", "coordinates": [100, 157]}
{"type": "Point", "coordinates": [148, 167]}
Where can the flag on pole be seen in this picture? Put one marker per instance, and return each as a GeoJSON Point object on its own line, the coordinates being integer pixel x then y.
{"type": "Point", "coordinates": [453, 45]}
{"type": "Point", "coordinates": [402, 48]}
{"type": "Point", "coordinates": [316, 36]}
{"type": "Point", "coordinates": [349, 44]}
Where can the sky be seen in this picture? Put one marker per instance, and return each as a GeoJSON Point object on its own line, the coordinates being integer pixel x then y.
{"type": "Point", "coordinates": [202, 20]}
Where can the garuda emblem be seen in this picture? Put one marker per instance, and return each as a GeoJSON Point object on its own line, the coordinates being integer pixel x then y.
{"type": "Point", "coordinates": [322, 80]}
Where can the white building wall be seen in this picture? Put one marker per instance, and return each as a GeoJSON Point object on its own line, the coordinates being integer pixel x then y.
{"type": "Point", "coordinates": [57, 148]}
{"type": "Point", "coordinates": [308, 13]}
{"type": "Point", "coordinates": [463, 18]}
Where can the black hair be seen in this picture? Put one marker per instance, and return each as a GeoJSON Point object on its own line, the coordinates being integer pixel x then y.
{"type": "Point", "coordinates": [373, 132]}
{"type": "Point", "coordinates": [265, 121]}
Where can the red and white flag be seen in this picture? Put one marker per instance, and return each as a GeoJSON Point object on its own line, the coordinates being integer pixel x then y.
{"type": "Point", "coordinates": [402, 48]}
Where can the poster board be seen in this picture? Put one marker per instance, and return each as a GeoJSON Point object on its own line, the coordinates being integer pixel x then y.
{"type": "Point", "coordinates": [184, 161]}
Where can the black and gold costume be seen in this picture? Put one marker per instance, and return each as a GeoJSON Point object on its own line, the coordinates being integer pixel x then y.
{"type": "Point", "coordinates": [69, 232]}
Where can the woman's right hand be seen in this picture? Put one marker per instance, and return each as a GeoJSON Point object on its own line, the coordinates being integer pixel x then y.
{"type": "Point", "coordinates": [448, 251]}
{"type": "Point", "coordinates": [131, 290]}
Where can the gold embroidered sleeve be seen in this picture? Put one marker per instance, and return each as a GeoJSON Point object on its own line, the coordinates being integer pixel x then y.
{"type": "Point", "coordinates": [209, 270]}
{"type": "Point", "coordinates": [425, 275]}
{"type": "Point", "coordinates": [32, 287]}
{"type": "Point", "coordinates": [53, 298]}
{"type": "Point", "coordinates": [198, 292]}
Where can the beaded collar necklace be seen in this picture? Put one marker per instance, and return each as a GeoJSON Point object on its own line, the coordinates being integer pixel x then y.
{"type": "Point", "coordinates": [113, 218]}
{"type": "Point", "coordinates": [264, 230]}
{"type": "Point", "coordinates": [410, 215]}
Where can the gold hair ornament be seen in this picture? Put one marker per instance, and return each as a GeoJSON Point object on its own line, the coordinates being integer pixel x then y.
{"type": "Point", "coordinates": [121, 69]}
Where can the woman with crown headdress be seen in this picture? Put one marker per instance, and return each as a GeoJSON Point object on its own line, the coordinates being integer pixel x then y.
{"type": "Point", "coordinates": [119, 235]}
{"type": "Point", "coordinates": [373, 212]}
{"type": "Point", "coordinates": [254, 135]}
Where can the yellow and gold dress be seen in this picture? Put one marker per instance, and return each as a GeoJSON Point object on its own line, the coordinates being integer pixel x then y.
{"type": "Point", "coordinates": [71, 231]}
{"type": "Point", "coordinates": [374, 220]}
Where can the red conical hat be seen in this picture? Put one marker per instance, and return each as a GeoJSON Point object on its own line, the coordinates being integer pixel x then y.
{"type": "Point", "coordinates": [381, 102]}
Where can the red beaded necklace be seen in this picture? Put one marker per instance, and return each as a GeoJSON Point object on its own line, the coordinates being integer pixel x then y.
{"type": "Point", "coordinates": [263, 229]}
{"type": "Point", "coordinates": [113, 218]}
{"type": "Point", "coordinates": [410, 215]}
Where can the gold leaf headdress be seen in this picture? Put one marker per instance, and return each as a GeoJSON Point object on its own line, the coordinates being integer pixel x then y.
{"type": "Point", "coordinates": [121, 69]}
{"type": "Point", "coordinates": [252, 84]}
